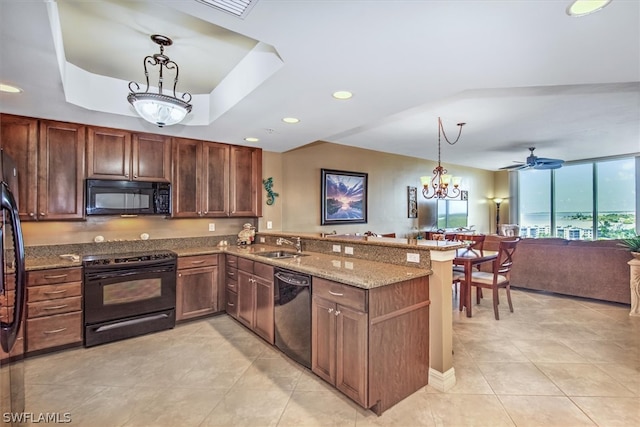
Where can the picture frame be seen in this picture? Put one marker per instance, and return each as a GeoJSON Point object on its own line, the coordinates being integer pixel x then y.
{"type": "Point", "coordinates": [343, 197]}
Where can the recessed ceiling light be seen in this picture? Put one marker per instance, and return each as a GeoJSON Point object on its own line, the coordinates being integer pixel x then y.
{"type": "Point", "coordinates": [251, 139]}
{"type": "Point", "coordinates": [342, 94]}
{"type": "Point", "coordinates": [291, 120]}
{"type": "Point", "coordinates": [9, 88]}
{"type": "Point", "coordinates": [585, 7]}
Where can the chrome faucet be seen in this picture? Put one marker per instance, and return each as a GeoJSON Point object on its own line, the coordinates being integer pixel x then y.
{"type": "Point", "coordinates": [297, 244]}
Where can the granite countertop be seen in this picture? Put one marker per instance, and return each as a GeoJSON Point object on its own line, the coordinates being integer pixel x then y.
{"type": "Point", "coordinates": [352, 271]}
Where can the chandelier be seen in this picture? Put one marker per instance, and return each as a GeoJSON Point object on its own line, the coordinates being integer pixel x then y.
{"type": "Point", "coordinates": [158, 108]}
{"type": "Point", "coordinates": [438, 186]}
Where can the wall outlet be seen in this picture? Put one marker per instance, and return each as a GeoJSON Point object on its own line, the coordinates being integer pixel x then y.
{"type": "Point", "coordinates": [336, 248]}
{"type": "Point", "coordinates": [212, 226]}
{"type": "Point", "coordinates": [348, 250]}
{"type": "Point", "coordinates": [262, 240]}
{"type": "Point", "coordinates": [413, 257]}
{"type": "Point", "coordinates": [269, 225]}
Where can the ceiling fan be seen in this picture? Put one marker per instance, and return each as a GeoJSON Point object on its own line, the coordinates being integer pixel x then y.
{"type": "Point", "coordinates": [535, 162]}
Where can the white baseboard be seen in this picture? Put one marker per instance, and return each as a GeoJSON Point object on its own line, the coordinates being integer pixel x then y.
{"type": "Point", "coordinates": [442, 381]}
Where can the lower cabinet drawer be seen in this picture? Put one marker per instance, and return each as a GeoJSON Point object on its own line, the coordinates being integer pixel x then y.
{"type": "Point", "coordinates": [56, 306]}
{"type": "Point", "coordinates": [53, 331]}
{"type": "Point", "coordinates": [232, 304]}
{"type": "Point", "coordinates": [48, 292]}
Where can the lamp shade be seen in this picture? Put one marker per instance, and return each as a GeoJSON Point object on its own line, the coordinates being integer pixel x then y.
{"type": "Point", "coordinates": [159, 109]}
{"type": "Point", "coordinates": [425, 180]}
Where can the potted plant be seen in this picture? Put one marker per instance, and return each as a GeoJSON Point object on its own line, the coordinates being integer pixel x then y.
{"type": "Point", "coordinates": [632, 244]}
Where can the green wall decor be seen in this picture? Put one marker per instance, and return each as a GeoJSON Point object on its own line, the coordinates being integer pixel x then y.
{"type": "Point", "coordinates": [271, 195]}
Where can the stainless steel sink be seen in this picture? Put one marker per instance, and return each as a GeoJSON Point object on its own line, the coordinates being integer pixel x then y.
{"type": "Point", "coordinates": [280, 254]}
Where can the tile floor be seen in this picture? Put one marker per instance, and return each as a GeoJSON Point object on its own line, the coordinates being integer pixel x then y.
{"type": "Point", "coordinates": [556, 361]}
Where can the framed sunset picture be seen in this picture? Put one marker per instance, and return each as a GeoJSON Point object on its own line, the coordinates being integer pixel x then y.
{"type": "Point", "coordinates": [343, 197]}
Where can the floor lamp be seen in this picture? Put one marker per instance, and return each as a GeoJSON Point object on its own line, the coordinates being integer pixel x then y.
{"type": "Point", "coordinates": [497, 201]}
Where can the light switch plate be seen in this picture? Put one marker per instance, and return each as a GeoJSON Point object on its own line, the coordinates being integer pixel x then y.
{"type": "Point", "coordinates": [212, 226]}
{"type": "Point", "coordinates": [348, 250]}
{"type": "Point", "coordinates": [262, 240]}
{"type": "Point", "coordinates": [269, 225]}
{"type": "Point", "coordinates": [336, 248]}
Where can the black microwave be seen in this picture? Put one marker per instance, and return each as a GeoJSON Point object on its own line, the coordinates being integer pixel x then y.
{"type": "Point", "coordinates": [105, 197]}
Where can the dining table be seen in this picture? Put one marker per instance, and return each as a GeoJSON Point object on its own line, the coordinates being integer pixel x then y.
{"type": "Point", "coordinates": [468, 258]}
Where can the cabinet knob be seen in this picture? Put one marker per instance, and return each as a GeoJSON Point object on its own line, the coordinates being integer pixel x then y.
{"type": "Point", "coordinates": [135, 176]}
{"type": "Point", "coordinates": [31, 214]}
{"type": "Point", "coordinates": [179, 274]}
{"type": "Point", "coordinates": [126, 175]}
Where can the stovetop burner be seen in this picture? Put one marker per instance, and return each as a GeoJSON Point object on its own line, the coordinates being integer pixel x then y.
{"type": "Point", "coordinates": [127, 258]}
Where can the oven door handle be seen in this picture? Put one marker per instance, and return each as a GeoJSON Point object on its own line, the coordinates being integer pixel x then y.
{"type": "Point", "coordinates": [117, 274]}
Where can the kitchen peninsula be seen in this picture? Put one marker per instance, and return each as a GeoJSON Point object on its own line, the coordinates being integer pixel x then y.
{"type": "Point", "coordinates": [393, 299]}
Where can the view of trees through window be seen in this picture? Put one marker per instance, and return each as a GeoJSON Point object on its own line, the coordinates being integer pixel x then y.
{"type": "Point", "coordinates": [584, 201]}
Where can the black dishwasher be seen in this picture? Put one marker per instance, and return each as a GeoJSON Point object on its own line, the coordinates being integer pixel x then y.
{"type": "Point", "coordinates": [293, 315]}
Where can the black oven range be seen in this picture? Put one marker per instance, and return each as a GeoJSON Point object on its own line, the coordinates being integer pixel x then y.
{"type": "Point", "coordinates": [127, 295]}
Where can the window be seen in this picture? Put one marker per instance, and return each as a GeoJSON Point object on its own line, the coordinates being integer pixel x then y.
{"type": "Point", "coordinates": [595, 200]}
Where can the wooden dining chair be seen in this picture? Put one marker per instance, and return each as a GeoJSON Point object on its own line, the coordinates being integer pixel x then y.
{"type": "Point", "coordinates": [475, 242]}
{"type": "Point", "coordinates": [499, 278]}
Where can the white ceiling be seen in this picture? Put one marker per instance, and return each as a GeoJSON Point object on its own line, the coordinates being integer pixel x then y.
{"type": "Point", "coordinates": [519, 73]}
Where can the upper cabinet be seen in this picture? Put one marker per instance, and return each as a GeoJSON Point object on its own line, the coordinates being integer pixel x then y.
{"type": "Point", "coordinates": [246, 179]}
{"type": "Point", "coordinates": [50, 160]}
{"type": "Point", "coordinates": [60, 171]}
{"type": "Point", "coordinates": [120, 155]}
{"type": "Point", "coordinates": [215, 180]}
{"type": "Point", "coordinates": [19, 139]}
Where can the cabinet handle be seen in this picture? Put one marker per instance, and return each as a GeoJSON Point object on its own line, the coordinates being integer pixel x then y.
{"type": "Point", "coordinates": [179, 274]}
{"type": "Point", "coordinates": [337, 312]}
{"type": "Point", "coordinates": [55, 331]}
{"type": "Point", "coordinates": [31, 214]}
{"type": "Point", "coordinates": [231, 304]}
{"type": "Point", "coordinates": [59, 276]}
{"type": "Point", "coordinates": [330, 310]}
{"type": "Point", "coordinates": [135, 176]}
{"type": "Point", "coordinates": [231, 273]}
{"type": "Point", "coordinates": [126, 175]}
{"type": "Point", "coordinates": [231, 286]}
{"type": "Point", "coordinates": [57, 307]}
{"type": "Point", "coordinates": [336, 294]}
{"type": "Point", "coordinates": [61, 291]}
{"type": "Point", "coordinates": [42, 214]}
{"type": "Point", "coordinates": [197, 262]}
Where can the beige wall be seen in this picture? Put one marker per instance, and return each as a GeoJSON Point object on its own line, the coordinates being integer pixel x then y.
{"type": "Point", "coordinates": [388, 175]}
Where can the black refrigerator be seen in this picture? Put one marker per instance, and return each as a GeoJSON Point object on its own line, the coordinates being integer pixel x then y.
{"type": "Point", "coordinates": [12, 297]}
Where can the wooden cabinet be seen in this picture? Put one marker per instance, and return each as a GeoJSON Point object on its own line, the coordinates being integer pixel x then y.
{"type": "Point", "coordinates": [231, 285]}
{"type": "Point", "coordinates": [339, 337]}
{"type": "Point", "coordinates": [19, 139]}
{"type": "Point", "coordinates": [60, 171]}
{"type": "Point", "coordinates": [197, 286]}
{"type": "Point", "coordinates": [255, 298]}
{"type": "Point", "coordinates": [201, 175]}
{"type": "Point", "coordinates": [54, 308]}
{"type": "Point", "coordinates": [245, 193]}
{"type": "Point", "coordinates": [50, 160]}
{"type": "Point", "coordinates": [121, 155]}
{"type": "Point", "coordinates": [216, 180]}
{"type": "Point", "coordinates": [7, 301]}
{"type": "Point", "coordinates": [371, 344]}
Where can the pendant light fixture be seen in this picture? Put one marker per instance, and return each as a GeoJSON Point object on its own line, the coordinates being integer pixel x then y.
{"type": "Point", "coordinates": [438, 186]}
{"type": "Point", "coordinates": [158, 108]}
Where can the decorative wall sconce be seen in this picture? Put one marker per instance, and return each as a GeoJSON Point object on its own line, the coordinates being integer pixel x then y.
{"type": "Point", "coordinates": [441, 179]}
{"type": "Point", "coordinates": [412, 200]}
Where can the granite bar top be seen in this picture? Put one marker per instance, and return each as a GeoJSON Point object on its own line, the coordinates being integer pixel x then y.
{"type": "Point", "coordinates": [352, 271]}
